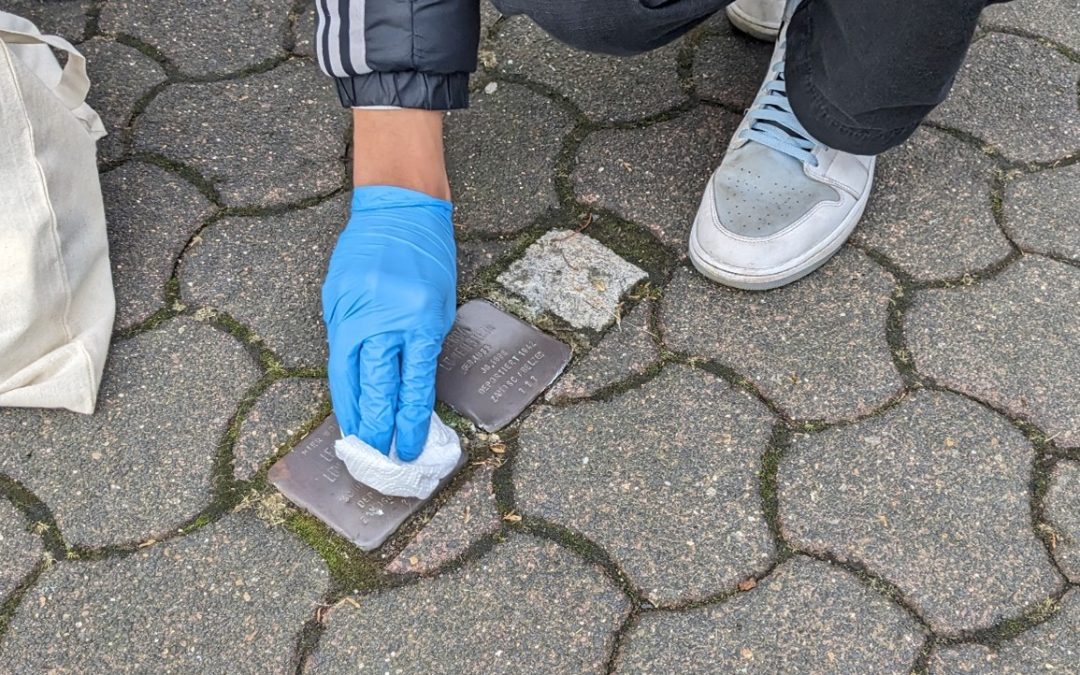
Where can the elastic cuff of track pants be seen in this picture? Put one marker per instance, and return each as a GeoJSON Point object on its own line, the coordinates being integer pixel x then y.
{"type": "Point", "coordinates": [405, 89]}
{"type": "Point", "coordinates": [824, 120]}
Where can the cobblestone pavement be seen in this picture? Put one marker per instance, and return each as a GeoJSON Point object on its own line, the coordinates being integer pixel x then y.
{"type": "Point", "coordinates": [875, 470]}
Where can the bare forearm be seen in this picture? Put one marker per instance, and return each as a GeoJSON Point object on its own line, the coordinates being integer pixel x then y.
{"type": "Point", "coordinates": [403, 148]}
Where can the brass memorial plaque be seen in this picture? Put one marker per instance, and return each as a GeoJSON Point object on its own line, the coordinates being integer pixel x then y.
{"type": "Point", "coordinates": [493, 365]}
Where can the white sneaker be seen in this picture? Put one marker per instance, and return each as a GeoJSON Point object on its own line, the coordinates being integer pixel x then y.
{"type": "Point", "coordinates": [759, 18]}
{"type": "Point", "coordinates": [780, 204]}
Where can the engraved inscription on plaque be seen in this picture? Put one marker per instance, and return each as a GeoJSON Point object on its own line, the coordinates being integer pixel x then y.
{"type": "Point", "coordinates": [493, 365]}
{"type": "Point", "coordinates": [314, 478]}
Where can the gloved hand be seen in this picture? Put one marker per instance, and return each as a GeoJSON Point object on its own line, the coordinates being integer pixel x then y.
{"type": "Point", "coordinates": [388, 302]}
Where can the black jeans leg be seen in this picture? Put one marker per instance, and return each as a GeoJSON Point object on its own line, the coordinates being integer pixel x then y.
{"type": "Point", "coordinates": [862, 74]}
{"type": "Point", "coordinates": [619, 27]}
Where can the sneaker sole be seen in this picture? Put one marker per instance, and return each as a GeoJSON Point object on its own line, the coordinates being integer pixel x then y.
{"type": "Point", "coordinates": [753, 28]}
{"type": "Point", "coordinates": [763, 282]}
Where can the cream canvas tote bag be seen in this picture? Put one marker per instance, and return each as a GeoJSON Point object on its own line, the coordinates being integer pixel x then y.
{"type": "Point", "coordinates": [56, 296]}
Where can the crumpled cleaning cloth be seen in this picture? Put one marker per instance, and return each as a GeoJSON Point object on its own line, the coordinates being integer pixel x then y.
{"type": "Point", "coordinates": [391, 476]}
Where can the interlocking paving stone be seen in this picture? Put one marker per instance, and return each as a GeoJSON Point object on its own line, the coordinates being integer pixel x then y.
{"type": "Point", "coordinates": [817, 348]}
{"type": "Point", "coordinates": [1054, 19]}
{"type": "Point", "coordinates": [279, 414]}
{"type": "Point", "coordinates": [655, 176]}
{"type": "Point", "coordinates": [930, 211]}
{"type": "Point", "coordinates": [151, 214]}
{"type": "Point", "coordinates": [806, 617]}
{"type": "Point", "coordinates": [474, 256]}
{"type": "Point", "coordinates": [202, 37]}
{"type": "Point", "coordinates": [1041, 211]}
{"type": "Point", "coordinates": [572, 276]}
{"type": "Point", "coordinates": [267, 139]}
{"type": "Point", "coordinates": [120, 76]}
{"type": "Point", "coordinates": [933, 495]}
{"type": "Point", "coordinates": [304, 32]}
{"type": "Point", "coordinates": [469, 515]}
{"type": "Point", "coordinates": [1018, 95]}
{"type": "Point", "coordinates": [1012, 340]}
{"type": "Point", "coordinates": [730, 66]}
{"type": "Point", "coordinates": [606, 88]}
{"type": "Point", "coordinates": [1051, 647]}
{"type": "Point", "coordinates": [266, 272]}
{"type": "Point", "coordinates": [527, 606]}
{"type": "Point", "coordinates": [1063, 511]}
{"type": "Point", "coordinates": [19, 549]}
{"type": "Point", "coordinates": [66, 19]}
{"type": "Point", "coordinates": [230, 597]}
{"type": "Point", "coordinates": [627, 349]}
{"type": "Point", "coordinates": [500, 154]}
{"type": "Point", "coordinates": [141, 465]}
{"type": "Point", "coordinates": [663, 477]}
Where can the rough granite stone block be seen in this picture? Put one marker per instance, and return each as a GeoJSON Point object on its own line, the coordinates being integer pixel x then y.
{"type": "Point", "coordinates": [574, 277]}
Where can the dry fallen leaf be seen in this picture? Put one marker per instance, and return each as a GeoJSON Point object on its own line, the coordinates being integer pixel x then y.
{"type": "Point", "coordinates": [498, 448]}
{"type": "Point", "coordinates": [512, 517]}
{"type": "Point", "coordinates": [747, 584]}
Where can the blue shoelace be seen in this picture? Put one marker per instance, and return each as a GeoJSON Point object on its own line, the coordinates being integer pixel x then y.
{"type": "Point", "coordinates": [772, 123]}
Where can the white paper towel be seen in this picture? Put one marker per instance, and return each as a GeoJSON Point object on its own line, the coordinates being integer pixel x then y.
{"type": "Point", "coordinates": [391, 476]}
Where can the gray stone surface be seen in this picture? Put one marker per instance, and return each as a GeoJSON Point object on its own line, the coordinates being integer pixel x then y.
{"type": "Point", "coordinates": [19, 549]}
{"type": "Point", "coordinates": [930, 211]}
{"type": "Point", "coordinates": [1063, 512]}
{"type": "Point", "coordinates": [230, 597]}
{"type": "Point", "coordinates": [1041, 211]}
{"type": "Point", "coordinates": [663, 477]}
{"type": "Point", "coordinates": [500, 154]}
{"type": "Point", "coordinates": [1051, 647]}
{"type": "Point", "coordinates": [729, 66]}
{"type": "Point", "coordinates": [264, 140]}
{"type": "Point", "coordinates": [817, 348]}
{"type": "Point", "coordinates": [574, 277]}
{"type": "Point", "coordinates": [806, 617]}
{"type": "Point", "coordinates": [53, 17]}
{"type": "Point", "coordinates": [606, 88]}
{"type": "Point", "coordinates": [203, 37]}
{"type": "Point", "coordinates": [527, 606]}
{"type": "Point", "coordinates": [1057, 20]}
{"type": "Point", "coordinates": [267, 273]}
{"type": "Point", "coordinates": [474, 256]}
{"type": "Point", "coordinates": [141, 465]}
{"type": "Point", "coordinates": [469, 515]}
{"type": "Point", "coordinates": [934, 496]}
{"type": "Point", "coordinates": [304, 32]}
{"type": "Point", "coordinates": [627, 349]}
{"type": "Point", "coordinates": [655, 176]}
{"type": "Point", "coordinates": [1017, 95]}
{"type": "Point", "coordinates": [1013, 340]}
{"type": "Point", "coordinates": [151, 214]}
{"type": "Point", "coordinates": [277, 418]}
{"type": "Point", "coordinates": [120, 77]}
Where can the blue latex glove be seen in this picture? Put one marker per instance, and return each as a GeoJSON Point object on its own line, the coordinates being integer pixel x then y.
{"type": "Point", "coordinates": [388, 301]}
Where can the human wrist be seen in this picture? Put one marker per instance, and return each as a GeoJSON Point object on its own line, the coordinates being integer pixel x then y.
{"type": "Point", "coordinates": [401, 148]}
